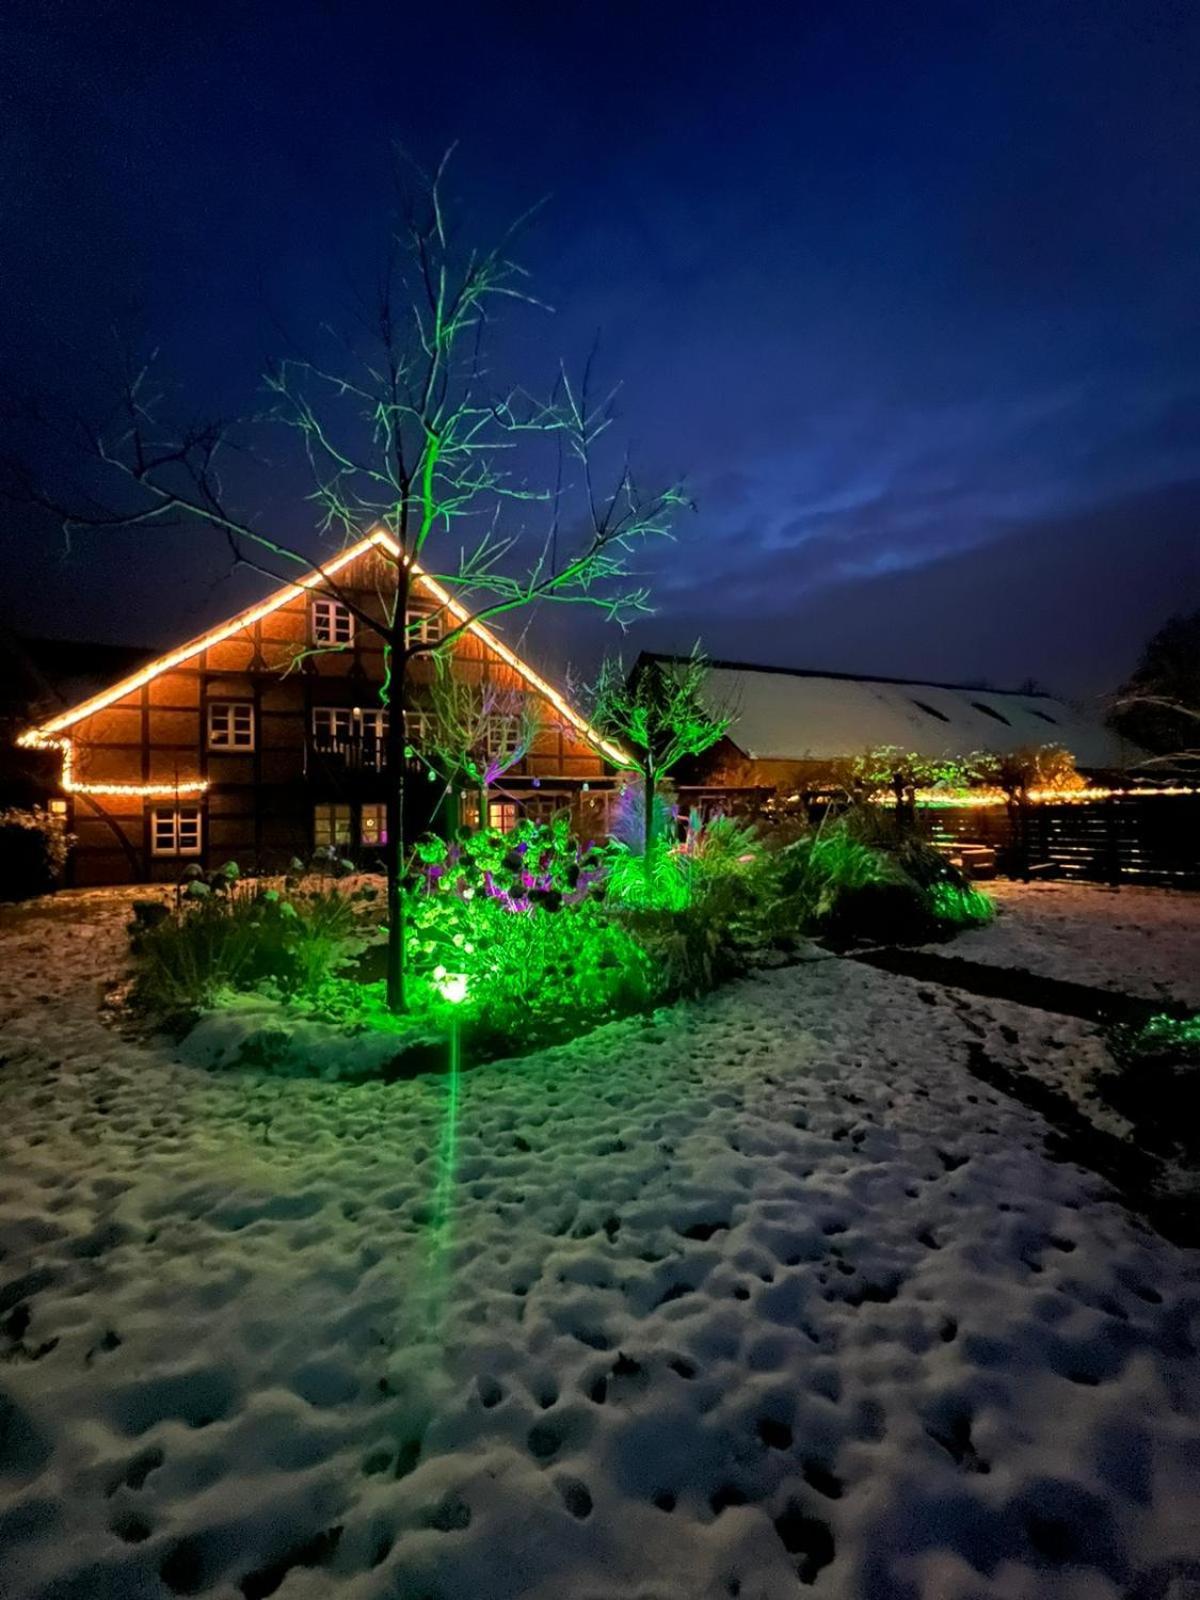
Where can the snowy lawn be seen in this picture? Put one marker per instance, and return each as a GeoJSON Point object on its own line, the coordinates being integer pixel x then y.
{"type": "Point", "coordinates": [1140, 941]}
{"type": "Point", "coordinates": [765, 1298]}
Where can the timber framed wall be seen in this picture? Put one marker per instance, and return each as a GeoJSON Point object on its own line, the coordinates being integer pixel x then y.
{"type": "Point", "coordinates": [257, 804]}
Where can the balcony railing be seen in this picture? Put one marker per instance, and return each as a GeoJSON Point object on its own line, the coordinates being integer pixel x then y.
{"type": "Point", "coordinates": [347, 752]}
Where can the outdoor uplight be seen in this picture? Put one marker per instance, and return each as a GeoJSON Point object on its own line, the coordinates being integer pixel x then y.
{"type": "Point", "coordinates": [453, 987]}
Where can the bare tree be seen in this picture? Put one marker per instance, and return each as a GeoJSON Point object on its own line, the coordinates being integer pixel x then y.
{"type": "Point", "coordinates": [1159, 707]}
{"type": "Point", "coordinates": [405, 432]}
{"type": "Point", "coordinates": [476, 730]}
{"type": "Point", "coordinates": [659, 713]}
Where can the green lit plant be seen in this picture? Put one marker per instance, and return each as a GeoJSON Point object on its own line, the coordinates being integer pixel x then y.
{"type": "Point", "coordinates": [524, 975]}
{"type": "Point", "coordinates": [659, 713]}
{"type": "Point", "coordinates": [1156, 1081]}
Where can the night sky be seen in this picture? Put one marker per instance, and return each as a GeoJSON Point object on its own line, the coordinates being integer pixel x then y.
{"type": "Point", "coordinates": [908, 294]}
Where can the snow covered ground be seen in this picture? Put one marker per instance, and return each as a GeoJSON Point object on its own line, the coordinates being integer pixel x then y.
{"type": "Point", "coordinates": [1139, 941]}
{"type": "Point", "coordinates": [766, 1297]}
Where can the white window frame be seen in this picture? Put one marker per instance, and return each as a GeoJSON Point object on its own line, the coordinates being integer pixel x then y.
{"type": "Point", "coordinates": [231, 725]}
{"type": "Point", "coordinates": [332, 622]}
{"type": "Point", "coordinates": [333, 722]}
{"type": "Point", "coordinates": [500, 734]}
{"type": "Point", "coordinates": [372, 839]}
{"type": "Point", "coordinates": [423, 627]}
{"type": "Point", "coordinates": [416, 727]}
{"type": "Point", "coordinates": [373, 723]}
{"type": "Point", "coordinates": [176, 831]}
{"type": "Point", "coordinates": [336, 828]}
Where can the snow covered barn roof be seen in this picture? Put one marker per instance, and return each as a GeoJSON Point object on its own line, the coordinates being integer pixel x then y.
{"type": "Point", "coordinates": [781, 713]}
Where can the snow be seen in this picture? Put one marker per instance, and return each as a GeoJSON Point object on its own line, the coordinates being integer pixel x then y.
{"type": "Point", "coordinates": [764, 1296]}
{"type": "Point", "coordinates": [1139, 941]}
{"type": "Point", "coordinates": [799, 716]}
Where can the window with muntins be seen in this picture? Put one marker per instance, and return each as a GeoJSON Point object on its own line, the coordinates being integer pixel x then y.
{"type": "Point", "coordinates": [331, 723]}
{"type": "Point", "coordinates": [331, 826]}
{"type": "Point", "coordinates": [501, 735]}
{"type": "Point", "coordinates": [502, 814]}
{"type": "Point", "coordinates": [175, 833]}
{"type": "Point", "coordinates": [373, 722]}
{"type": "Point", "coordinates": [332, 622]}
{"type": "Point", "coordinates": [372, 825]}
{"type": "Point", "coordinates": [230, 725]}
{"type": "Point", "coordinates": [423, 627]}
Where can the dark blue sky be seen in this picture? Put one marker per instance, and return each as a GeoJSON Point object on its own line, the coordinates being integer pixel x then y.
{"type": "Point", "coordinates": [909, 294]}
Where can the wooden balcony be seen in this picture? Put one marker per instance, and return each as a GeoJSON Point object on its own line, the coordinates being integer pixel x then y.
{"type": "Point", "coordinates": [333, 753]}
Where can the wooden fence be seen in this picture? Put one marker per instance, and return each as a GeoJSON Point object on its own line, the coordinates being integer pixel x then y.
{"type": "Point", "coordinates": [1128, 838]}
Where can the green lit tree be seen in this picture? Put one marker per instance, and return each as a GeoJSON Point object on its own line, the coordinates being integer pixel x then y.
{"type": "Point", "coordinates": [405, 429]}
{"type": "Point", "coordinates": [659, 713]}
{"type": "Point", "coordinates": [890, 768]}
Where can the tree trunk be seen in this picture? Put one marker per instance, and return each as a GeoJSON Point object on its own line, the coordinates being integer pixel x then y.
{"type": "Point", "coordinates": [396, 775]}
{"type": "Point", "coordinates": [648, 816]}
{"type": "Point", "coordinates": [482, 803]}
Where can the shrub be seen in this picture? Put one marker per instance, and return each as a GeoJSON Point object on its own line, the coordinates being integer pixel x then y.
{"type": "Point", "coordinates": [518, 923]}
{"type": "Point", "coordinates": [863, 877]}
{"type": "Point", "coordinates": [218, 939]}
{"type": "Point", "coordinates": [814, 873]}
{"type": "Point", "coordinates": [1156, 1084]}
{"type": "Point", "coordinates": [33, 852]}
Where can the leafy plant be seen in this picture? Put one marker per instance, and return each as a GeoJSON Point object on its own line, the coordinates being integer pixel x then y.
{"type": "Point", "coordinates": [33, 852]}
{"type": "Point", "coordinates": [220, 936]}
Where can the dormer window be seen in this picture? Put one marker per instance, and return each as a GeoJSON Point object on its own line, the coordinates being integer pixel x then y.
{"type": "Point", "coordinates": [990, 711]}
{"type": "Point", "coordinates": [332, 623]}
{"type": "Point", "coordinates": [423, 627]}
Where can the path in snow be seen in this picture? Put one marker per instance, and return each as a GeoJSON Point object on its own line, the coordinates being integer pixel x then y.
{"type": "Point", "coordinates": [767, 1298]}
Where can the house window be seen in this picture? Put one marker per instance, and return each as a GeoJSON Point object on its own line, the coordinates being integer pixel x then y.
{"type": "Point", "coordinates": [372, 826]}
{"type": "Point", "coordinates": [332, 622]}
{"type": "Point", "coordinates": [468, 810]}
{"type": "Point", "coordinates": [331, 723]}
{"type": "Point", "coordinates": [230, 725]}
{"type": "Point", "coordinates": [373, 724]}
{"type": "Point", "coordinates": [501, 736]}
{"type": "Point", "coordinates": [331, 826]}
{"type": "Point", "coordinates": [175, 833]}
{"type": "Point", "coordinates": [502, 814]}
{"type": "Point", "coordinates": [417, 727]}
{"type": "Point", "coordinates": [424, 627]}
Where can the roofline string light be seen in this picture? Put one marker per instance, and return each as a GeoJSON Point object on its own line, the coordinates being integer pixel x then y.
{"type": "Point", "coordinates": [69, 782]}
{"type": "Point", "coordinates": [42, 736]}
{"type": "Point", "coordinates": [979, 798]}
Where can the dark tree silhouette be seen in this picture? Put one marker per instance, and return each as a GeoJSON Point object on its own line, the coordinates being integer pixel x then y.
{"type": "Point", "coordinates": [1159, 707]}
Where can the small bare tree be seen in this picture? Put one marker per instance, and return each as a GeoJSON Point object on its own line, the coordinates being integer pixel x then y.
{"type": "Point", "coordinates": [476, 730]}
{"type": "Point", "coordinates": [405, 432]}
{"type": "Point", "coordinates": [659, 713]}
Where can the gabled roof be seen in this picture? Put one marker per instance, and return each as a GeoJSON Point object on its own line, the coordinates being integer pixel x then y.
{"type": "Point", "coordinates": [51, 731]}
{"type": "Point", "coordinates": [789, 714]}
